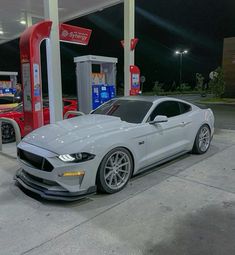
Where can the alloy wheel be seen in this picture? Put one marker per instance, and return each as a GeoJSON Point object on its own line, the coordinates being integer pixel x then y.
{"type": "Point", "coordinates": [204, 138]}
{"type": "Point", "coordinates": [117, 170]}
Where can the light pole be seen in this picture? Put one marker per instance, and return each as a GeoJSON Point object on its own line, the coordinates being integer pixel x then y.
{"type": "Point", "coordinates": [181, 53]}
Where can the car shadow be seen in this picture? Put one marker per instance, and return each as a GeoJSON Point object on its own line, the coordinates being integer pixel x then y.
{"type": "Point", "coordinates": [208, 230]}
{"type": "Point", "coordinates": [137, 184]}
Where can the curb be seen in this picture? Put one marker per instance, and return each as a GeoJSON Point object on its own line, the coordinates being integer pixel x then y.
{"type": "Point", "coordinates": [213, 103]}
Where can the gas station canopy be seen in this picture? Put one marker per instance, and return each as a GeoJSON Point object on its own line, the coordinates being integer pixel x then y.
{"type": "Point", "coordinates": [16, 15]}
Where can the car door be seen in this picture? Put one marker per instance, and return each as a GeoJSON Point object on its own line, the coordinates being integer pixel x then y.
{"type": "Point", "coordinates": [166, 139]}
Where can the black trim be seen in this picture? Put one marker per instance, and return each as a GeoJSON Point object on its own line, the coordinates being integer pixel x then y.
{"type": "Point", "coordinates": [160, 162]}
{"type": "Point", "coordinates": [34, 160]}
{"type": "Point", "coordinates": [51, 195]}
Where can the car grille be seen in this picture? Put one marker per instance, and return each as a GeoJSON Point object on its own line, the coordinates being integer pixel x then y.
{"type": "Point", "coordinates": [39, 180]}
{"type": "Point", "coordinates": [35, 160]}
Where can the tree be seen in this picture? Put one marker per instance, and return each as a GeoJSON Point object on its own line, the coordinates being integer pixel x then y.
{"type": "Point", "coordinates": [157, 88]}
{"type": "Point", "coordinates": [217, 83]}
{"type": "Point", "coordinates": [199, 81]}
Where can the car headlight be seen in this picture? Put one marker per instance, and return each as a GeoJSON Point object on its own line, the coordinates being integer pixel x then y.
{"type": "Point", "coordinates": [76, 157]}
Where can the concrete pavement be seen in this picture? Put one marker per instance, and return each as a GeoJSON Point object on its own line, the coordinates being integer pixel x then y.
{"type": "Point", "coordinates": [186, 206]}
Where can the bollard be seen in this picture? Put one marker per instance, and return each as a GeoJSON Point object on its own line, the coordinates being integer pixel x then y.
{"type": "Point", "coordinates": [16, 129]}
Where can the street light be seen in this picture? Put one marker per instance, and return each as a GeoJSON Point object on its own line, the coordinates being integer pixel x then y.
{"type": "Point", "coordinates": [181, 53]}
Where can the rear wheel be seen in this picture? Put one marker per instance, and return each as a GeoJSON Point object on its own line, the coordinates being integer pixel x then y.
{"type": "Point", "coordinates": [115, 170]}
{"type": "Point", "coordinates": [8, 133]}
{"type": "Point", "coordinates": [202, 140]}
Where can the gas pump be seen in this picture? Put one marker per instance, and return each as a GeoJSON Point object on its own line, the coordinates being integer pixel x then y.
{"type": "Point", "coordinates": [135, 80]}
{"type": "Point", "coordinates": [8, 86]}
{"type": "Point", "coordinates": [30, 42]}
{"type": "Point", "coordinates": [96, 81]}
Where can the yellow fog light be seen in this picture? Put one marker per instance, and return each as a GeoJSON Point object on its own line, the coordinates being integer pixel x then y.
{"type": "Point", "coordinates": [77, 173]}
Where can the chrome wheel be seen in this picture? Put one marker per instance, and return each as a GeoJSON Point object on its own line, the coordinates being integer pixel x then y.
{"type": "Point", "coordinates": [117, 170]}
{"type": "Point", "coordinates": [204, 138]}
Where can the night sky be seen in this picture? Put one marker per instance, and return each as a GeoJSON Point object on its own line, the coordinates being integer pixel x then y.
{"type": "Point", "coordinates": [162, 27]}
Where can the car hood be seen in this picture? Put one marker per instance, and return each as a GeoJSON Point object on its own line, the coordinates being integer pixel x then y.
{"type": "Point", "coordinates": [62, 136]}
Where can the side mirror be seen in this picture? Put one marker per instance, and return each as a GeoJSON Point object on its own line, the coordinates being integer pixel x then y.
{"type": "Point", "coordinates": [159, 119]}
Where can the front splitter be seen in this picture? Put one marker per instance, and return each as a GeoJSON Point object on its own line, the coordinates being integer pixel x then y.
{"type": "Point", "coordinates": [49, 194]}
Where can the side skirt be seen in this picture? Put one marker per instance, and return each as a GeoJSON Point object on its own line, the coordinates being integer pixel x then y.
{"type": "Point", "coordinates": [160, 162]}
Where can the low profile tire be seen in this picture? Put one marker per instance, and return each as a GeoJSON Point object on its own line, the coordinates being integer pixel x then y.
{"type": "Point", "coordinates": [114, 171]}
{"type": "Point", "coordinates": [8, 133]}
{"type": "Point", "coordinates": [202, 140]}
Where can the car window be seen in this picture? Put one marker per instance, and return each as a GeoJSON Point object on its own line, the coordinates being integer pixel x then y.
{"type": "Point", "coordinates": [184, 107]}
{"type": "Point", "coordinates": [66, 103]}
{"type": "Point", "coordinates": [167, 108]}
{"type": "Point", "coordinates": [6, 100]}
{"type": "Point", "coordinates": [132, 111]}
{"type": "Point", "coordinates": [45, 104]}
{"type": "Point", "coordinates": [18, 108]}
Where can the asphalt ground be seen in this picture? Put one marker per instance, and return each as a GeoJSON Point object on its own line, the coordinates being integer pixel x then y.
{"type": "Point", "coordinates": [224, 116]}
{"type": "Point", "coordinates": [186, 206]}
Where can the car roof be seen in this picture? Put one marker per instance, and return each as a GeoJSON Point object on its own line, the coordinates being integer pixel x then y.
{"type": "Point", "coordinates": [151, 99]}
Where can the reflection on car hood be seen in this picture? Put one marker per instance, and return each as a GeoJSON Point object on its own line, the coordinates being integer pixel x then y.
{"type": "Point", "coordinates": [60, 137]}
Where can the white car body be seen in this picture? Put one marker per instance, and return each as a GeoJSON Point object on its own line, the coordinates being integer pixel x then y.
{"type": "Point", "coordinates": [97, 134]}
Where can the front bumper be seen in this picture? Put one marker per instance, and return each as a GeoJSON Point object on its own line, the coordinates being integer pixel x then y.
{"type": "Point", "coordinates": [35, 185]}
{"type": "Point", "coordinates": [41, 172]}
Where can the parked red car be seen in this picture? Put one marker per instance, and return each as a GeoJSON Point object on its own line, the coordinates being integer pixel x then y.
{"type": "Point", "coordinates": [17, 114]}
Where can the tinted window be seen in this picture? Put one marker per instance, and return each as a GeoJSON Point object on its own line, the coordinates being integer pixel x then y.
{"type": "Point", "coordinates": [132, 111]}
{"type": "Point", "coordinates": [45, 104]}
{"type": "Point", "coordinates": [184, 107]}
{"type": "Point", "coordinates": [6, 100]}
{"type": "Point", "coordinates": [168, 108]}
{"type": "Point", "coordinates": [66, 103]}
{"type": "Point", "coordinates": [18, 108]}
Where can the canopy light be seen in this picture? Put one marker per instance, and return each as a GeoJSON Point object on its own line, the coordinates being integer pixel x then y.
{"type": "Point", "coordinates": [23, 22]}
{"type": "Point", "coordinates": [1, 32]}
{"type": "Point", "coordinates": [180, 52]}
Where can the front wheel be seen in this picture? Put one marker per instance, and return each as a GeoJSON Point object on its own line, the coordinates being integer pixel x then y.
{"type": "Point", "coordinates": [115, 170]}
{"type": "Point", "coordinates": [202, 140]}
{"type": "Point", "coordinates": [8, 133]}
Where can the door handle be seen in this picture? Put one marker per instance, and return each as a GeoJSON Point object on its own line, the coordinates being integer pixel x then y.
{"type": "Point", "coordinates": [183, 124]}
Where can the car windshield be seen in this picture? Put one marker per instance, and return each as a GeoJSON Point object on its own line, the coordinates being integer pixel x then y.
{"type": "Point", "coordinates": [6, 100]}
{"type": "Point", "coordinates": [18, 108]}
{"type": "Point", "coordinates": [132, 111]}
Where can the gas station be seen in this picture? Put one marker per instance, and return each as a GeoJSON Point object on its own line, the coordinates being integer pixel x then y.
{"type": "Point", "coordinates": [163, 212]}
{"type": "Point", "coordinates": [30, 41]}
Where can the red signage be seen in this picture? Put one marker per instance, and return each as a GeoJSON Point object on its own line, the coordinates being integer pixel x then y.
{"type": "Point", "coordinates": [30, 42]}
{"type": "Point", "coordinates": [133, 43]}
{"type": "Point", "coordinates": [135, 80]}
{"type": "Point", "coordinates": [72, 34]}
